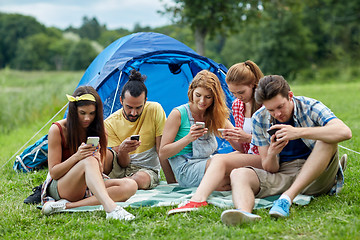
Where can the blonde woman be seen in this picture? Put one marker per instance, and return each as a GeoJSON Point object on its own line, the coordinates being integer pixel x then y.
{"type": "Point", "coordinates": [242, 79]}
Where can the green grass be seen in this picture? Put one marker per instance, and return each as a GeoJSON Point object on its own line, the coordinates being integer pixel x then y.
{"type": "Point", "coordinates": [324, 218]}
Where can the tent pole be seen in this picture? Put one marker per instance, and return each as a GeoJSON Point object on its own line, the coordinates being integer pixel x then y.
{"type": "Point", "coordinates": [117, 89]}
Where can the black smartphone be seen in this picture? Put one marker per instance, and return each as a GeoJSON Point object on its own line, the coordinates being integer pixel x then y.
{"type": "Point", "coordinates": [135, 137]}
{"type": "Point", "coordinates": [272, 131]}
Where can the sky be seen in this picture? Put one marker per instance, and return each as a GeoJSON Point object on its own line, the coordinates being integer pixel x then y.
{"type": "Point", "coordinates": [113, 13]}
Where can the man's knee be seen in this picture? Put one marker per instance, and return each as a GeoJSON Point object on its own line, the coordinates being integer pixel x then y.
{"type": "Point", "coordinates": [241, 174]}
{"type": "Point", "coordinates": [329, 148]}
{"type": "Point", "coordinates": [142, 179]}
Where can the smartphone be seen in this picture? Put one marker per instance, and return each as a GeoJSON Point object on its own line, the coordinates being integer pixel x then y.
{"type": "Point", "coordinates": [93, 141]}
{"type": "Point", "coordinates": [202, 124]}
{"type": "Point", "coordinates": [135, 137]}
{"type": "Point", "coordinates": [272, 131]}
{"type": "Point", "coordinates": [221, 130]}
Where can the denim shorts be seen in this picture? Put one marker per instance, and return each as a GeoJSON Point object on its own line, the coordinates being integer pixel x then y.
{"type": "Point", "coordinates": [188, 172]}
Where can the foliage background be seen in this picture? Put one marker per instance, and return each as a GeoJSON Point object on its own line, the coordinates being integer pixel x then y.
{"type": "Point", "coordinates": [283, 36]}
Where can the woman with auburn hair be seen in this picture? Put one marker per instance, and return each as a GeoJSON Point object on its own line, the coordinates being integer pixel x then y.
{"type": "Point", "coordinates": [75, 168]}
{"type": "Point", "coordinates": [242, 79]}
{"type": "Point", "coordinates": [187, 143]}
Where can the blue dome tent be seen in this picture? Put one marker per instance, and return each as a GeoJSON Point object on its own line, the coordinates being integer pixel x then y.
{"type": "Point", "coordinates": [168, 64]}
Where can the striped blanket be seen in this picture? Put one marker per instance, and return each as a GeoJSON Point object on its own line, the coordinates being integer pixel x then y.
{"type": "Point", "coordinates": [171, 195]}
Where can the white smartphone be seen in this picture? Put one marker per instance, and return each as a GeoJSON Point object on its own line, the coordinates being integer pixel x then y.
{"type": "Point", "coordinates": [221, 130]}
{"type": "Point", "coordinates": [202, 124]}
{"type": "Point", "coordinates": [135, 137]}
{"type": "Point", "coordinates": [93, 141]}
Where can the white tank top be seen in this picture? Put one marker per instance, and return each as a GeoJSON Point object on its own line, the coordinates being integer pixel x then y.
{"type": "Point", "coordinates": [247, 125]}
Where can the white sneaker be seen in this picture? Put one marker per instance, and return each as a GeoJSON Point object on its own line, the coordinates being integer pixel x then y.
{"type": "Point", "coordinates": [343, 162]}
{"type": "Point", "coordinates": [236, 217]}
{"type": "Point", "coordinates": [54, 207]}
{"type": "Point", "coordinates": [120, 214]}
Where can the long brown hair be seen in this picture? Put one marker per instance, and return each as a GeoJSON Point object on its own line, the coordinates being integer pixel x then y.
{"type": "Point", "coordinates": [218, 112]}
{"type": "Point", "coordinates": [96, 128]}
{"type": "Point", "coordinates": [245, 73]}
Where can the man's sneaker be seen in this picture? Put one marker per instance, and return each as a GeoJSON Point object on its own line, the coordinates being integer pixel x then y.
{"type": "Point", "coordinates": [280, 208]}
{"type": "Point", "coordinates": [35, 197]}
{"type": "Point", "coordinates": [188, 206]}
{"type": "Point", "coordinates": [120, 214]}
{"type": "Point", "coordinates": [54, 207]}
{"type": "Point", "coordinates": [343, 161]}
{"type": "Point", "coordinates": [234, 217]}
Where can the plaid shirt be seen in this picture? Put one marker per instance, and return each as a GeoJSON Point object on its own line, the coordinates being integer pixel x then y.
{"type": "Point", "coordinates": [308, 112]}
{"type": "Point", "coordinates": [238, 109]}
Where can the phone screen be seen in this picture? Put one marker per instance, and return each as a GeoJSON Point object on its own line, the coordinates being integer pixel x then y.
{"type": "Point", "coordinates": [135, 137]}
{"type": "Point", "coordinates": [93, 141]}
{"type": "Point", "coordinates": [272, 131]}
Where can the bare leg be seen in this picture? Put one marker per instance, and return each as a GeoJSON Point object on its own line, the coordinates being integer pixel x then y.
{"type": "Point", "coordinates": [314, 166]}
{"type": "Point", "coordinates": [169, 174]}
{"type": "Point", "coordinates": [85, 173]}
{"type": "Point", "coordinates": [219, 170]}
{"type": "Point", "coordinates": [119, 190]}
{"type": "Point", "coordinates": [245, 184]}
{"type": "Point", "coordinates": [142, 179]}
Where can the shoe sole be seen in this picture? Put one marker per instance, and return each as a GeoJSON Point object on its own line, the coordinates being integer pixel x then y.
{"type": "Point", "coordinates": [182, 210]}
{"type": "Point", "coordinates": [343, 162]}
{"type": "Point", "coordinates": [235, 217]}
{"type": "Point", "coordinates": [276, 215]}
{"type": "Point", "coordinates": [44, 212]}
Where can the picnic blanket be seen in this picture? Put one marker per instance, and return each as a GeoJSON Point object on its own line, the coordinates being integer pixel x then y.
{"type": "Point", "coordinates": [171, 195]}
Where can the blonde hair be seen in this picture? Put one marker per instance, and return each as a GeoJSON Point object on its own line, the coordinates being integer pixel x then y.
{"type": "Point", "coordinates": [245, 73]}
{"type": "Point", "coordinates": [218, 112]}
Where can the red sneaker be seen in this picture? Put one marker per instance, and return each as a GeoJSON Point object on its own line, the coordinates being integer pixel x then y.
{"type": "Point", "coordinates": [188, 207]}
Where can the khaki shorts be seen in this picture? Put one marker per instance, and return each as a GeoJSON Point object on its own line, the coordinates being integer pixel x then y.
{"type": "Point", "coordinates": [277, 183]}
{"type": "Point", "coordinates": [120, 172]}
{"type": "Point", "coordinates": [52, 190]}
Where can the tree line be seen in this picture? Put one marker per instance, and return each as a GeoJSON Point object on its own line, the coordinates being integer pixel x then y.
{"type": "Point", "coordinates": [282, 36]}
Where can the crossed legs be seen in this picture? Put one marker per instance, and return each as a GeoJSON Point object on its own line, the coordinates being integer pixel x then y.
{"type": "Point", "coordinates": [86, 173]}
{"type": "Point", "coordinates": [245, 183]}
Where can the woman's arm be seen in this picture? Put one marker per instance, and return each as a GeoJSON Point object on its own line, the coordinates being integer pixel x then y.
{"type": "Point", "coordinates": [57, 168]}
{"type": "Point", "coordinates": [168, 147]}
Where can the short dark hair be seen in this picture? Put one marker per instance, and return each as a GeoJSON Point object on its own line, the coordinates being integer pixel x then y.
{"type": "Point", "coordinates": [135, 85]}
{"type": "Point", "coordinates": [270, 86]}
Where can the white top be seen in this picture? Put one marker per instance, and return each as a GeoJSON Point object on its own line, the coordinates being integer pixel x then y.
{"type": "Point", "coordinates": [247, 125]}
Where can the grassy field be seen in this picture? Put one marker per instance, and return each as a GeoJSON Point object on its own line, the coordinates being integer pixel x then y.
{"type": "Point", "coordinates": [29, 100]}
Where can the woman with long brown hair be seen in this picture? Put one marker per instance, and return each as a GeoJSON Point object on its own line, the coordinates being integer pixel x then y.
{"type": "Point", "coordinates": [75, 168]}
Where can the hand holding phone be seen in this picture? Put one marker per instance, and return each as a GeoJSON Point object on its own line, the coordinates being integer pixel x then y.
{"type": "Point", "coordinates": [94, 141]}
{"type": "Point", "coordinates": [272, 131]}
{"type": "Point", "coordinates": [135, 137]}
{"type": "Point", "coordinates": [201, 124]}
